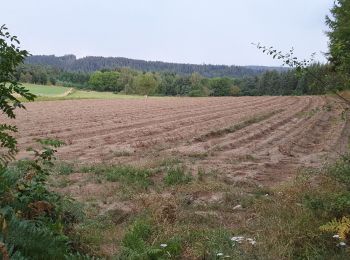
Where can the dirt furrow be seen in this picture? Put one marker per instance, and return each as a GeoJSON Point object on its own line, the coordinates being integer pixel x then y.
{"type": "Point", "coordinates": [263, 139]}
{"type": "Point", "coordinates": [166, 132]}
{"type": "Point", "coordinates": [104, 126]}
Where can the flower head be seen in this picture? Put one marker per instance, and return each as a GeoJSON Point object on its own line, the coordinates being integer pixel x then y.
{"type": "Point", "coordinates": [342, 244]}
{"type": "Point", "coordinates": [238, 239]}
{"type": "Point", "coordinates": [251, 241]}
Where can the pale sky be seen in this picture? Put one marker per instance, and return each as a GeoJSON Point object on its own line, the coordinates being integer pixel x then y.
{"type": "Point", "coordinates": [186, 31]}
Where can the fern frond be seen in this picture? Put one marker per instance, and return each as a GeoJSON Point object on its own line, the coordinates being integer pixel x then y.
{"type": "Point", "coordinates": [34, 240]}
{"type": "Point", "coordinates": [341, 227]}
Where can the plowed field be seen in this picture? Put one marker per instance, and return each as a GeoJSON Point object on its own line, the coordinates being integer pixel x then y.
{"type": "Point", "coordinates": [260, 138]}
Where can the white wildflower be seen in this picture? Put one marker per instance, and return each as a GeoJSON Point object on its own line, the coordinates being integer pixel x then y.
{"type": "Point", "coordinates": [342, 244]}
{"type": "Point", "coordinates": [251, 241]}
{"type": "Point", "coordinates": [219, 254]}
{"type": "Point", "coordinates": [336, 236]}
{"type": "Point", "coordinates": [163, 245]}
{"type": "Point", "coordinates": [237, 207]}
{"type": "Point", "coordinates": [238, 239]}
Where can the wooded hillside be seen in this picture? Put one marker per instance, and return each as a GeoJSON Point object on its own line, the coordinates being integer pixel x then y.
{"type": "Point", "coordinates": [91, 64]}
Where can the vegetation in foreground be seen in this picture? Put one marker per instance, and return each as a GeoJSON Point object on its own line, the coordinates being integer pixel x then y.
{"type": "Point", "coordinates": [168, 213]}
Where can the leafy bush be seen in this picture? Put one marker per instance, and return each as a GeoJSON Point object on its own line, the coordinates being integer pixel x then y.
{"type": "Point", "coordinates": [330, 204]}
{"type": "Point", "coordinates": [333, 200]}
{"type": "Point", "coordinates": [340, 170]}
{"type": "Point", "coordinates": [10, 57]}
{"type": "Point", "coordinates": [33, 220]}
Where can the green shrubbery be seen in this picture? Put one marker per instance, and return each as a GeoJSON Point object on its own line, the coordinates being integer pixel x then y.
{"type": "Point", "coordinates": [33, 220]}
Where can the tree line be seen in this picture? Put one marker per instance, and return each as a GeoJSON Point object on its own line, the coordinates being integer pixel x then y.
{"type": "Point", "coordinates": [319, 79]}
{"type": "Point", "coordinates": [92, 63]}
{"type": "Point", "coordinates": [130, 81]}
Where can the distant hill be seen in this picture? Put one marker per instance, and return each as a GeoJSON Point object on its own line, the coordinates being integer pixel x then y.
{"type": "Point", "coordinates": [92, 63]}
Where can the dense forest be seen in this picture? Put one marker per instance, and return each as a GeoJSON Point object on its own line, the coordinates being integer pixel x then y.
{"type": "Point", "coordinates": [91, 64]}
{"type": "Point", "coordinates": [130, 81]}
{"type": "Point", "coordinates": [171, 79]}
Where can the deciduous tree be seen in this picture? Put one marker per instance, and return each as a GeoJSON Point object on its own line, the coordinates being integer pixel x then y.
{"type": "Point", "coordinates": [11, 55]}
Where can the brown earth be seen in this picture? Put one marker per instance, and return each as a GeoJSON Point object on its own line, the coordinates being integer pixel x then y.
{"type": "Point", "coordinates": [234, 146]}
{"type": "Point", "coordinates": [263, 139]}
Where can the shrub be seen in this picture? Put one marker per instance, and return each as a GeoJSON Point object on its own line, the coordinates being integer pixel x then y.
{"type": "Point", "coordinates": [340, 170]}
{"type": "Point", "coordinates": [33, 220]}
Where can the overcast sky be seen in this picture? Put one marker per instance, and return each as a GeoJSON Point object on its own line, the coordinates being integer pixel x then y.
{"type": "Point", "coordinates": [187, 31]}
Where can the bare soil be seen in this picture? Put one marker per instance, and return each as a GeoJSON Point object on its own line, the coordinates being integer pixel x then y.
{"type": "Point", "coordinates": [264, 139]}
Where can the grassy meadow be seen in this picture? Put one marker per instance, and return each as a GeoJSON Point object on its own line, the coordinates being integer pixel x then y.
{"type": "Point", "coordinates": [47, 93]}
{"type": "Point", "coordinates": [45, 90]}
